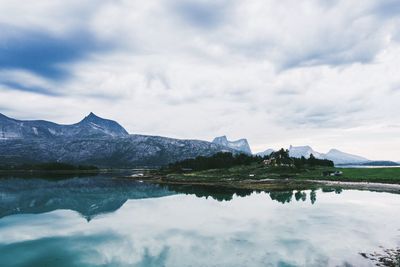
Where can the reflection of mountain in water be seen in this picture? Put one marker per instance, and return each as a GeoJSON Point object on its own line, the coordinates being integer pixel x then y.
{"type": "Point", "coordinates": [94, 195]}
{"type": "Point", "coordinates": [88, 196]}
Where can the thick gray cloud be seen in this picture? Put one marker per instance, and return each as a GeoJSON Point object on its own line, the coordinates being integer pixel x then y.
{"type": "Point", "coordinates": [318, 72]}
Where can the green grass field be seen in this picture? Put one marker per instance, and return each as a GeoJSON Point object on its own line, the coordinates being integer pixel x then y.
{"type": "Point", "coordinates": [260, 171]}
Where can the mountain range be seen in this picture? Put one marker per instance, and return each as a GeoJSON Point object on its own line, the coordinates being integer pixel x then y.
{"type": "Point", "coordinates": [91, 126]}
{"type": "Point", "coordinates": [94, 141]}
{"type": "Point", "coordinates": [337, 156]}
{"type": "Point", "coordinates": [105, 143]}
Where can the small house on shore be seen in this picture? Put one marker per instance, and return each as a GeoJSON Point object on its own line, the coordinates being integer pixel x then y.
{"type": "Point", "coordinates": [281, 162]}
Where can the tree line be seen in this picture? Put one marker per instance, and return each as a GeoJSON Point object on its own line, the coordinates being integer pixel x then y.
{"type": "Point", "coordinates": [282, 157]}
{"type": "Point", "coordinates": [227, 160]}
{"type": "Point", "coordinates": [217, 161]}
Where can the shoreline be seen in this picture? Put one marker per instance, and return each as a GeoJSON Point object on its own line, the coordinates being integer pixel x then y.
{"type": "Point", "coordinates": [273, 184]}
{"type": "Point", "coordinates": [364, 185]}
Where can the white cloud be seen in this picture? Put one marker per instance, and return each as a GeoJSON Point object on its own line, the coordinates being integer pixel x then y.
{"type": "Point", "coordinates": [285, 72]}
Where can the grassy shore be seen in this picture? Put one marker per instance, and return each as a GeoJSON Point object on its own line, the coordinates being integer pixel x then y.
{"type": "Point", "coordinates": [261, 177]}
{"type": "Point", "coordinates": [262, 172]}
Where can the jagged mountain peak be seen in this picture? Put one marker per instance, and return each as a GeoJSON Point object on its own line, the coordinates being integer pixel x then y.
{"type": "Point", "coordinates": [222, 138]}
{"type": "Point", "coordinates": [92, 117]}
{"type": "Point", "coordinates": [240, 145]}
{"type": "Point", "coordinates": [93, 125]}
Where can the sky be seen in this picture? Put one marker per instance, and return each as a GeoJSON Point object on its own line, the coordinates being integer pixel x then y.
{"type": "Point", "coordinates": [324, 73]}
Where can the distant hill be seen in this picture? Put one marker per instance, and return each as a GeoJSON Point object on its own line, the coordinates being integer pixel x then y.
{"type": "Point", "coordinates": [240, 145]}
{"type": "Point", "coordinates": [304, 151]}
{"type": "Point", "coordinates": [340, 157]}
{"type": "Point", "coordinates": [337, 156]}
{"type": "Point", "coordinates": [265, 152]}
{"type": "Point", "coordinates": [93, 141]}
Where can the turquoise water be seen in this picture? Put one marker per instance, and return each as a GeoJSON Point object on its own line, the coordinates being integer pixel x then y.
{"type": "Point", "coordinates": [106, 222]}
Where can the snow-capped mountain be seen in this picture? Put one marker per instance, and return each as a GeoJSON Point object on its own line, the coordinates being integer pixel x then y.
{"type": "Point", "coordinates": [265, 152]}
{"type": "Point", "coordinates": [338, 157]}
{"type": "Point", "coordinates": [91, 126]}
{"type": "Point", "coordinates": [94, 141]}
{"type": "Point", "coordinates": [303, 151]}
{"type": "Point", "coordinates": [130, 151]}
{"type": "Point", "coordinates": [106, 143]}
{"type": "Point", "coordinates": [240, 145]}
{"type": "Point", "coordinates": [10, 128]}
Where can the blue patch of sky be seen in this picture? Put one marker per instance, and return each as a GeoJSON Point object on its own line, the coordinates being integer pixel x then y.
{"type": "Point", "coordinates": [387, 8]}
{"type": "Point", "coordinates": [45, 54]}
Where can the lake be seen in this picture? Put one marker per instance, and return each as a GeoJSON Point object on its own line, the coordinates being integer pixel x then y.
{"type": "Point", "coordinates": [100, 221]}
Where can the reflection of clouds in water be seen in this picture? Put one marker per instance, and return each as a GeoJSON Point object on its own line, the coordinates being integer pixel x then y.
{"type": "Point", "coordinates": [182, 229]}
{"type": "Point", "coordinates": [56, 251]}
{"type": "Point", "coordinates": [149, 260]}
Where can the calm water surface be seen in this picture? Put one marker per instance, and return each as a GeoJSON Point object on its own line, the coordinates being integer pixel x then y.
{"type": "Point", "coordinates": [99, 221]}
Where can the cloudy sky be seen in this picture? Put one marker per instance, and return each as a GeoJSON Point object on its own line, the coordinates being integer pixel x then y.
{"type": "Point", "coordinates": [325, 73]}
